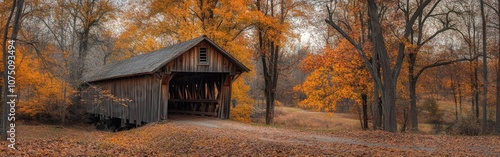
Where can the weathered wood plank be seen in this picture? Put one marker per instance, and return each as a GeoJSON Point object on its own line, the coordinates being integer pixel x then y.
{"type": "Point", "coordinates": [188, 62]}
{"type": "Point", "coordinates": [142, 90]}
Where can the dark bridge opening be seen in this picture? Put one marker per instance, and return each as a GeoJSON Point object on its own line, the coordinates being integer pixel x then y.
{"type": "Point", "coordinates": [196, 93]}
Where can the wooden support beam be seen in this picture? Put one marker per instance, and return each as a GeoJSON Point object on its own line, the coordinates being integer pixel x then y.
{"type": "Point", "coordinates": [194, 100]}
{"type": "Point", "coordinates": [194, 112]}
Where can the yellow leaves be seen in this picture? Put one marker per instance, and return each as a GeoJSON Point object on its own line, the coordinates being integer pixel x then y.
{"type": "Point", "coordinates": [241, 113]}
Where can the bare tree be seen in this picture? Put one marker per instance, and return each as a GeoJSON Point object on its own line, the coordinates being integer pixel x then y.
{"type": "Point", "coordinates": [418, 38]}
{"type": "Point", "coordinates": [387, 85]}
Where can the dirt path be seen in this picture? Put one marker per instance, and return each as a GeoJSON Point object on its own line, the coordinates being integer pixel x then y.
{"type": "Point", "coordinates": [201, 136]}
{"type": "Point", "coordinates": [285, 135]}
{"type": "Point", "coordinates": [426, 144]}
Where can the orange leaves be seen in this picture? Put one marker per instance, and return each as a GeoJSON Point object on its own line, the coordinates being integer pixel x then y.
{"type": "Point", "coordinates": [204, 137]}
{"type": "Point", "coordinates": [224, 21]}
{"type": "Point", "coordinates": [41, 91]}
{"type": "Point", "coordinates": [334, 75]}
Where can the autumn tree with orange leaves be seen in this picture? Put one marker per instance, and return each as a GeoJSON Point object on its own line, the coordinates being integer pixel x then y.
{"type": "Point", "coordinates": [168, 22]}
{"type": "Point", "coordinates": [335, 75]}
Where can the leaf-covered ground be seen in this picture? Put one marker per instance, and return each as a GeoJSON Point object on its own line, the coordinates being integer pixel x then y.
{"type": "Point", "coordinates": [213, 137]}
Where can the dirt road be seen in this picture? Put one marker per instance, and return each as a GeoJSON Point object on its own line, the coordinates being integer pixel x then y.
{"type": "Point", "coordinates": [213, 137]}
{"type": "Point", "coordinates": [356, 142]}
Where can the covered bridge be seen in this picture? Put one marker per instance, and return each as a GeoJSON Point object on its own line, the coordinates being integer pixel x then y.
{"type": "Point", "coordinates": [192, 77]}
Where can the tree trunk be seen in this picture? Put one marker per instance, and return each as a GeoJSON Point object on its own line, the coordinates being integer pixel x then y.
{"type": "Point", "coordinates": [270, 74]}
{"type": "Point", "coordinates": [377, 111]}
{"type": "Point", "coordinates": [498, 74]}
{"type": "Point", "coordinates": [476, 90]}
{"type": "Point", "coordinates": [270, 79]}
{"type": "Point", "coordinates": [485, 69]}
{"type": "Point", "coordinates": [389, 106]}
{"type": "Point", "coordinates": [388, 92]}
{"type": "Point", "coordinates": [454, 92]}
{"type": "Point", "coordinates": [63, 112]}
{"type": "Point", "coordinates": [412, 57]}
{"type": "Point", "coordinates": [476, 73]}
{"type": "Point", "coordinates": [460, 97]}
{"type": "Point", "coordinates": [364, 99]}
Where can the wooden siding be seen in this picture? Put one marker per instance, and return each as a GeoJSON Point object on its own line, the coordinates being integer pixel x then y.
{"type": "Point", "coordinates": [188, 62]}
{"type": "Point", "coordinates": [143, 91]}
{"type": "Point", "coordinates": [153, 96]}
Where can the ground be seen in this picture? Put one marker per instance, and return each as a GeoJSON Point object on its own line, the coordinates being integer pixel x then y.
{"type": "Point", "coordinates": [202, 136]}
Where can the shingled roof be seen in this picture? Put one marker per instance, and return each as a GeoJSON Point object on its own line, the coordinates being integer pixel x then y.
{"type": "Point", "coordinates": [150, 62]}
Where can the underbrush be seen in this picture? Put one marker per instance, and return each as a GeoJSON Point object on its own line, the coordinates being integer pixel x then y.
{"type": "Point", "coordinates": [241, 113]}
{"type": "Point", "coordinates": [468, 125]}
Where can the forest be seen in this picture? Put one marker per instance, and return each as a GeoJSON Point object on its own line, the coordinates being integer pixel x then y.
{"type": "Point", "coordinates": [351, 75]}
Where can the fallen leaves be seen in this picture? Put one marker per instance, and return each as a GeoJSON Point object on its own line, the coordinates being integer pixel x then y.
{"type": "Point", "coordinates": [185, 137]}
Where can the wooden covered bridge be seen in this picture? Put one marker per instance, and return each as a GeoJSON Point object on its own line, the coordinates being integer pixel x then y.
{"type": "Point", "coordinates": [192, 77]}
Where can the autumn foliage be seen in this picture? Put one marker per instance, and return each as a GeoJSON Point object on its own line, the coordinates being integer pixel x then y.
{"type": "Point", "coordinates": [41, 92]}
{"type": "Point", "coordinates": [335, 75]}
{"type": "Point", "coordinates": [241, 113]}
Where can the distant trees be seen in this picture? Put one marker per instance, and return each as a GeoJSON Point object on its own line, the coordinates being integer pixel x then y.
{"type": "Point", "coordinates": [372, 49]}
{"type": "Point", "coordinates": [74, 31]}
{"type": "Point", "coordinates": [53, 49]}
{"type": "Point", "coordinates": [414, 26]}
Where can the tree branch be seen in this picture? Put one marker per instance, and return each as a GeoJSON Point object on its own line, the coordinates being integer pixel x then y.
{"type": "Point", "coordinates": [492, 8]}
{"type": "Point", "coordinates": [445, 28]}
{"type": "Point", "coordinates": [429, 13]}
{"type": "Point", "coordinates": [439, 63]}
{"type": "Point", "coordinates": [355, 44]}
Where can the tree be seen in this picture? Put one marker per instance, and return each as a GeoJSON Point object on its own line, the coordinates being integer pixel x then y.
{"type": "Point", "coordinates": [272, 27]}
{"type": "Point", "coordinates": [416, 40]}
{"type": "Point", "coordinates": [336, 76]}
{"type": "Point", "coordinates": [17, 7]}
{"type": "Point", "coordinates": [411, 39]}
{"type": "Point", "coordinates": [498, 73]}
{"type": "Point", "coordinates": [75, 29]}
{"type": "Point", "coordinates": [387, 85]}
{"type": "Point", "coordinates": [469, 33]}
{"type": "Point", "coordinates": [269, 53]}
{"type": "Point", "coordinates": [167, 22]}
{"type": "Point", "coordinates": [485, 67]}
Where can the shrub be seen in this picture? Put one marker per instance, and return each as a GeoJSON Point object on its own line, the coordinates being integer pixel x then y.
{"type": "Point", "coordinates": [466, 126]}
{"type": "Point", "coordinates": [435, 114]}
{"type": "Point", "coordinates": [241, 113]}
